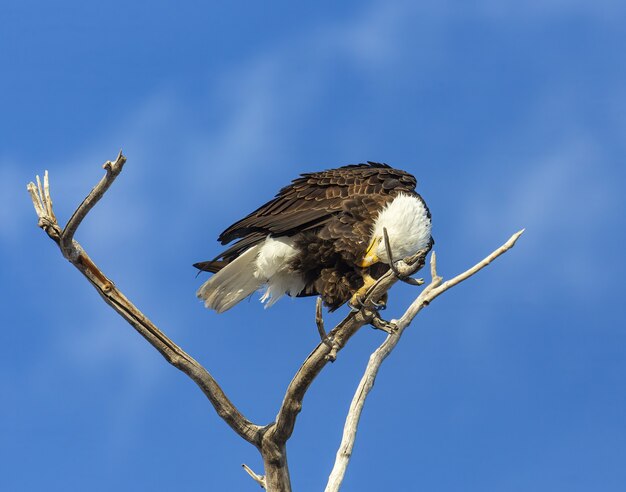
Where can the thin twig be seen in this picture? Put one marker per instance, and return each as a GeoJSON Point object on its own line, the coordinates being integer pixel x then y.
{"type": "Point", "coordinates": [46, 196]}
{"type": "Point", "coordinates": [430, 292]}
{"type": "Point", "coordinates": [34, 196]}
{"type": "Point", "coordinates": [409, 315]}
{"type": "Point", "coordinates": [260, 479]}
{"type": "Point", "coordinates": [113, 169]}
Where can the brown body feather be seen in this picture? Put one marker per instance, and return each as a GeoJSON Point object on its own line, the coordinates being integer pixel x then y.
{"type": "Point", "coordinates": [331, 214]}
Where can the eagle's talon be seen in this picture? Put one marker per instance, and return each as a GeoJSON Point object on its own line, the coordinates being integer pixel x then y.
{"type": "Point", "coordinates": [380, 306]}
{"type": "Point", "coordinates": [356, 303]}
{"type": "Point", "coordinates": [353, 308]}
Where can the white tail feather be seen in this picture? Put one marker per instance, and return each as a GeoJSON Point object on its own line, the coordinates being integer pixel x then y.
{"type": "Point", "coordinates": [233, 283]}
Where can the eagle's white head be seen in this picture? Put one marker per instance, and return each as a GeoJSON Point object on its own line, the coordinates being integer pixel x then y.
{"type": "Point", "coordinates": [408, 225]}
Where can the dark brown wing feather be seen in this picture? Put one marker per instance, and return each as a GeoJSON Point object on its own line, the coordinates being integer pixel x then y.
{"type": "Point", "coordinates": [314, 198]}
{"type": "Point", "coordinates": [309, 202]}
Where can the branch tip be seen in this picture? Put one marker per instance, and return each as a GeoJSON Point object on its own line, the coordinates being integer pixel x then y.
{"type": "Point", "coordinates": [47, 197]}
{"type": "Point", "coordinates": [40, 191]}
{"type": "Point", "coordinates": [115, 167]}
{"type": "Point", "coordinates": [32, 190]}
{"type": "Point", "coordinates": [430, 292]}
{"type": "Point", "coordinates": [515, 237]}
{"type": "Point", "coordinates": [433, 266]}
{"type": "Point", "coordinates": [260, 479]}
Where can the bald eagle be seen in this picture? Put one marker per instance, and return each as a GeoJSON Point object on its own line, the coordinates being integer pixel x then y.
{"type": "Point", "coordinates": [320, 235]}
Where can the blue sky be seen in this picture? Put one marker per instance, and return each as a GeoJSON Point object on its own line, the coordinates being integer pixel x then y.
{"type": "Point", "coordinates": [510, 115]}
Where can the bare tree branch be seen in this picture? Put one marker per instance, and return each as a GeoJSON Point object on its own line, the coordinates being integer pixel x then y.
{"type": "Point", "coordinates": [113, 169]}
{"type": "Point", "coordinates": [430, 292]}
{"type": "Point", "coordinates": [315, 362]}
{"type": "Point", "coordinates": [271, 439]}
{"type": "Point", "coordinates": [72, 250]}
{"type": "Point", "coordinates": [276, 434]}
{"type": "Point", "coordinates": [260, 479]}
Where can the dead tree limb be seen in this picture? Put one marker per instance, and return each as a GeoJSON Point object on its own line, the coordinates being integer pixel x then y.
{"type": "Point", "coordinates": [73, 252]}
{"type": "Point", "coordinates": [277, 433]}
{"type": "Point", "coordinates": [430, 292]}
{"type": "Point", "coordinates": [270, 439]}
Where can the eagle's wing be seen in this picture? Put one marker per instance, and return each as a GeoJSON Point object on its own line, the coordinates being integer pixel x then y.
{"type": "Point", "coordinates": [308, 202]}
{"type": "Point", "coordinates": [314, 198]}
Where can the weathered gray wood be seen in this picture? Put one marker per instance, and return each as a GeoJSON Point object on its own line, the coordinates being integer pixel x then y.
{"type": "Point", "coordinates": [271, 439]}
{"type": "Point", "coordinates": [72, 250]}
{"type": "Point", "coordinates": [430, 292]}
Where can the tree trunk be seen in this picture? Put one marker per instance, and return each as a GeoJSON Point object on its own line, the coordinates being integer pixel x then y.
{"type": "Point", "coordinates": [275, 464]}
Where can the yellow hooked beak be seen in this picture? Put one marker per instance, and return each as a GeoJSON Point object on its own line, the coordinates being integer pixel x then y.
{"type": "Point", "coordinates": [370, 257]}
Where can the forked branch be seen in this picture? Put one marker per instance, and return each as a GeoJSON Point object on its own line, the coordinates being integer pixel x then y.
{"type": "Point", "coordinates": [340, 334]}
{"type": "Point", "coordinates": [270, 439]}
{"type": "Point", "coordinates": [434, 289]}
{"type": "Point", "coordinates": [72, 250]}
